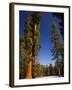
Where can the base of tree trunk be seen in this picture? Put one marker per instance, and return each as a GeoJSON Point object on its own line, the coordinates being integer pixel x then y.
{"type": "Point", "coordinates": [29, 70]}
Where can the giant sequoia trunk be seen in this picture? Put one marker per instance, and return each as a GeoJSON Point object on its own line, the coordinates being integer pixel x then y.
{"type": "Point", "coordinates": [30, 71]}
{"type": "Point", "coordinates": [33, 34]}
{"type": "Point", "coordinates": [29, 68]}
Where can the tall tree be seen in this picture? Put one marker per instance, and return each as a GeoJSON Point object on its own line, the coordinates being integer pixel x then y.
{"type": "Point", "coordinates": [32, 40]}
{"type": "Point", "coordinates": [58, 48]}
{"type": "Point", "coordinates": [60, 16]}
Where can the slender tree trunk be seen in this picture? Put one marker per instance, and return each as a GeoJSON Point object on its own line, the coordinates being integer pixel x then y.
{"type": "Point", "coordinates": [59, 72]}
{"type": "Point", "coordinates": [33, 50]}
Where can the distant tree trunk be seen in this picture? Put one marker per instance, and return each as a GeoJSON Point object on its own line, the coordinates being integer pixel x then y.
{"type": "Point", "coordinates": [59, 72]}
{"type": "Point", "coordinates": [33, 66]}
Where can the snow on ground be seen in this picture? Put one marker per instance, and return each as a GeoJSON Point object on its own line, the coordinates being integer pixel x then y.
{"type": "Point", "coordinates": [49, 77]}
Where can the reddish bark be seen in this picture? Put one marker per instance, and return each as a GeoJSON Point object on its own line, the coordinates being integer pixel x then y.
{"type": "Point", "coordinates": [29, 68]}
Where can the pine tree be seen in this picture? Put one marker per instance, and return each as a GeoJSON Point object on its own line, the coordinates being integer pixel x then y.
{"type": "Point", "coordinates": [58, 49]}
{"type": "Point", "coordinates": [60, 16]}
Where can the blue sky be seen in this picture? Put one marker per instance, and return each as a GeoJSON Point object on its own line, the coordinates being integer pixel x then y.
{"type": "Point", "coordinates": [44, 55]}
